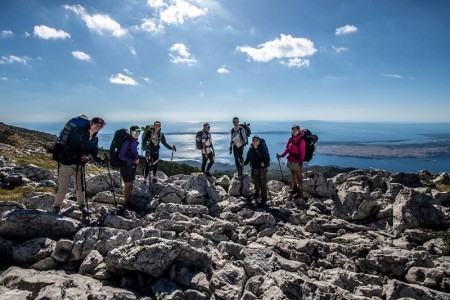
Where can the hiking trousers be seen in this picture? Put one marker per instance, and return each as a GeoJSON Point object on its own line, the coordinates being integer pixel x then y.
{"type": "Point", "coordinates": [259, 178]}
{"type": "Point", "coordinates": [238, 156]}
{"type": "Point", "coordinates": [209, 157]}
{"type": "Point", "coordinates": [65, 174]}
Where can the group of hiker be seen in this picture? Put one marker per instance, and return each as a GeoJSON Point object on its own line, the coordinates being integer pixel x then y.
{"type": "Point", "coordinates": [78, 140]}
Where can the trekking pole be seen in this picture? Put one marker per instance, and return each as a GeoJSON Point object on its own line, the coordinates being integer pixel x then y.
{"type": "Point", "coordinates": [83, 189]}
{"type": "Point", "coordinates": [171, 158]}
{"type": "Point", "coordinates": [111, 180]}
{"type": "Point", "coordinates": [281, 171]}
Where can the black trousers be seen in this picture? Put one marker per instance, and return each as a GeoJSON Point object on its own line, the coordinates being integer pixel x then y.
{"type": "Point", "coordinates": [209, 157]}
{"type": "Point", "coordinates": [238, 156]}
{"type": "Point", "coordinates": [259, 178]}
{"type": "Point", "coordinates": [152, 164]}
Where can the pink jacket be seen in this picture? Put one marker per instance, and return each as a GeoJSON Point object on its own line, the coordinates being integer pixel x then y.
{"type": "Point", "coordinates": [296, 151]}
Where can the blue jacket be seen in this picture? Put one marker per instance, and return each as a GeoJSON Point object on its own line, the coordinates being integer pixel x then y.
{"type": "Point", "coordinates": [80, 144]}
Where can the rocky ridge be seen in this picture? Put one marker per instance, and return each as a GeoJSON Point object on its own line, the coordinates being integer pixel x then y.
{"type": "Point", "coordinates": [358, 235]}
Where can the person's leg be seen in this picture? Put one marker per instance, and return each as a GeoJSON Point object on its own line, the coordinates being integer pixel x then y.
{"type": "Point", "coordinates": [64, 175]}
{"type": "Point", "coordinates": [128, 188]}
{"type": "Point", "coordinates": [211, 161]}
{"type": "Point", "coordinates": [300, 181]}
{"type": "Point", "coordinates": [263, 184]}
{"type": "Point", "coordinates": [80, 187]}
{"type": "Point", "coordinates": [294, 182]}
{"type": "Point", "coordinates": [147, 165]}
{"type": "Point", "coordinates": [255, 179]}
{"type": "Point", "coordinates": [240, 159]}
{"type": "Point", "coordinates": [155, 157]}
{"type": "Point", "coordinates": [236, 157]}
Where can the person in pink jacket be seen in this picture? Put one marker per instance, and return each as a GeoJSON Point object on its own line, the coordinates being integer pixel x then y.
{"type": "Point", "coordinates": [295, 149]}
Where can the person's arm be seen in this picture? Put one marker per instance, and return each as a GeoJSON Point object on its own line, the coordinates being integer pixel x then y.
{"type": "Point", "coordinates": [163, 141]}
{"type": "Point", "coordinates": [286, 151]}
{"type": "Point", "coordinates": [94, 152]}
{"type": "Point", "coordinates": [123, 152]}
{"type": "Point", "coordinates": [248, 158]}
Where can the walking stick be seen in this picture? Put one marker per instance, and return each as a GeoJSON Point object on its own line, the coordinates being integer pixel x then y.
{"type": "Point", "coordinates": [171, 158]}
{"type": "Point", "coordinates": [279, 164]}
{"type": "Point", "coordinates": [83, 189]}
{"type": "Point", "coordinates": [111, 183]}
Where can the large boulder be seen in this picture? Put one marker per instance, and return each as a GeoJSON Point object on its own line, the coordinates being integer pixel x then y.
{"type": "Point", "coordinates": [32, 223]}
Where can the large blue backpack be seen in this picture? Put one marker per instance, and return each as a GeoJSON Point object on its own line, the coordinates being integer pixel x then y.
{"type": "Point", "coordinates": [72, 126]}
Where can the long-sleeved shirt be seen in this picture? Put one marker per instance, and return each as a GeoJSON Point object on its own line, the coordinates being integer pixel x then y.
{"type": "Point", "coordinates": [207, 142]}
{"type": "Point", "coordinates": [295, 147]}
{"type": "Point", "coordinates": [156, 139]}
{"type": "Point", "coordinates": [238, 136]}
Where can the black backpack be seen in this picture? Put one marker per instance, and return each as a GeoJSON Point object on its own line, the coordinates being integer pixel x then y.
{"type": "Point", "coordinates": [120, 136]}
{"type": "Point", "coordinates": [262, 143]}
{"type": "Point", "coordinates": [147, 134]}
{"type": "Point", "coordinates": [310, 144]}
{"type": "Point", "coordinates": [66, 134]}
{"type": "Point", "coordinates": [248, 131]}
{"type": "Point", "coordinates": [198, 140]}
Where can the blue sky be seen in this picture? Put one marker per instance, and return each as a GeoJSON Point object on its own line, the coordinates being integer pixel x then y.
{"type": "Point", "coordinates": [207, 60]}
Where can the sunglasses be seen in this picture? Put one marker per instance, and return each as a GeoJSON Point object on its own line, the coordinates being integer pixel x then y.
{"type": "Point", "coordinates": [158, 125]}
{"type": "Point", "coordinates": [136, 132]}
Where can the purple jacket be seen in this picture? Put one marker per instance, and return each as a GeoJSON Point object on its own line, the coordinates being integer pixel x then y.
{"type": "Point", "coordinates": [128, 153]}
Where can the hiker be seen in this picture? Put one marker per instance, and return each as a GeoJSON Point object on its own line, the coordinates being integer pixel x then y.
{"type": "Point", "coordinates": [207, 150]}
{"type": "Point", "coordinates": [152, 141]}
{"type": "Point", "coordinates": [259, 159]}
{"type": "Point", "coordinates": [129, 156]}
{"type": "Point", "coordinates": [82, 143]}
{"type": "Point", "coordinates": [295, 147]}
{"type": "Point", "coordinates": [238, 140]}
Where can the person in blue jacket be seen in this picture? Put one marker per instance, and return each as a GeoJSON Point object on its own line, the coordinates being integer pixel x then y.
{"type": "Point", "coordinates": [130, 159]}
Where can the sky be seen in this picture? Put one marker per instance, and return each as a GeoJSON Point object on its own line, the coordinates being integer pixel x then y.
{"type": "Point", "coordinates": [210, 60]}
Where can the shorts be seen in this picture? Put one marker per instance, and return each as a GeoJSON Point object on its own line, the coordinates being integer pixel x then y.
{"type": "Point", "coordinates": [294, 166]}
{"type": "Point", "coordinates": [128, 173]}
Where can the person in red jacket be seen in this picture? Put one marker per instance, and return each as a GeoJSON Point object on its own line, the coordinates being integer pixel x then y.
{"type": "Point", "coordinates": [295, 147]}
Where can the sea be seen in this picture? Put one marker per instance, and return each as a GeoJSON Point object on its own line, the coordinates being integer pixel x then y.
{"type": "Point", "coordinates": [276, 134]}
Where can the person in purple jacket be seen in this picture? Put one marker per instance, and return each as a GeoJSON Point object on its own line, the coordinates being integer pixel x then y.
{"type": "Point", "coordinates": [295, 147]}
{"type": "Point", "coordinates": [129, 156]}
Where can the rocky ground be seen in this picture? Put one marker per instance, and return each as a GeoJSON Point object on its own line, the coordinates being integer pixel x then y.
{"type": "Point", "coordinates": [358, 235]}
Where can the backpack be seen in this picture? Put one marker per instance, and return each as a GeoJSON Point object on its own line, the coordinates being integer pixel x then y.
{"type": "Point", "coordinates": [310, 144]}
{"type": "Point", "coordinates": [262, 143]}
{"type": "Point", "coordinates": [147, 134]}
{"type": "Point", "coordinates": [72, 126]}
{"type": "Point", "coordinates": [248, 131]}
{"type": "Point", "coordinates": [198, 140]}
{"type": "Point", "coordinates": [120, 136]}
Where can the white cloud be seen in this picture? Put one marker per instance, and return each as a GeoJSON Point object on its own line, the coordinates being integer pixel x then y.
{"type": "Point", "coordinates": [26, 34]}
{"type": "Point", "coordinates": [47, 33]}
{"type": "Point", "coordinates": [133, 51]}
{"type": "Point", "coordinates": [128, 71]}
{"type": "Point", "coordinates": [223, 70]}
{"type": "Point", "coordinates": [392, 76]}
{"type": "Point", "coordinates": [4, 78]}
{"type": "Point", "coordinates": [14, 59]}
{"type": "Point", "coordinates": [296, 63]}
{"type": "Point", "coordinates": [150, 25]}
{"type": "Point", "coordinates": [5, 34]}
{"type": "Point", "coordinates": [179, 11]}
{"type": "Point", "coordinates": [340, 49]}
{"type": "Point", "coordinates": [284, 47]}
{"type": "Point", "coordinates": [81, 56]}
{"type": "Point", "coordinates": [156, 3]}
{"type": "Point", "coordinates": [180, 55]}
{"type": "Point", "coordinates": [98, 23]}
{"type": "Point", "coordinates": [122, 79]}
{"type": "Point", "coordinates": [146, 79]}
{"type": "Point", "coordinates": [346, 30]}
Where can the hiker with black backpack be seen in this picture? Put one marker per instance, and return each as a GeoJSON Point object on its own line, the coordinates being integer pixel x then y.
{"type": "Point", "coordinates": [207, 149]}
{"type": "Point", "coordinates": [130, 159]}
{"type": "Point", "coordinates": [151, 141]}
{"type": "Point", "coordinates": [238, 141]}
{"type": "Point", "coordinates": [295, 147]}
{"type": "Point", "coordinates": [259, 159]}
{"type": "Point", "coordinates": [80, 142]}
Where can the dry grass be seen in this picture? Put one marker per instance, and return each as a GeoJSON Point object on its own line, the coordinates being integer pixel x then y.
{"type": "Point", "coordinates": [443, 188]}
{"type": "Point", "coordinates": [17, 193]}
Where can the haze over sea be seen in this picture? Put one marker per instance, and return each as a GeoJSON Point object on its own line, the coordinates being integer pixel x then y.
{"type": "Point", "coordinates": [276, 134]}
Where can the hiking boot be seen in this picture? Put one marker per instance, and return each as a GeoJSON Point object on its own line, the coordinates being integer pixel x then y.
{"type": "Point", "coordinates": [155, 180]}
{"type": "Point", "coordinates": [299, 194]}
{"type": "Point", "coordinates": [56, 209]}
{"type": "Point", "coordinates": [84, 210]}
{"type": "Point", "coordinates": [207, 173]}
{"type": "Point", "coordinates": [294, 190]}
